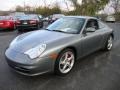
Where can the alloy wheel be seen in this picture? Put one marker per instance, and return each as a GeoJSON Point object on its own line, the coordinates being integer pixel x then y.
{"type": "Point", "coordinates": [66, 62]}
{"type": "Point", "coordinates": [110, 43]}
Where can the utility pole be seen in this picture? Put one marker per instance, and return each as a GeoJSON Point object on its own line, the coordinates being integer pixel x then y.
{"type": "Point", "coordinates": [24, 5]}
{"type": "Point", "coordinates": [45, 5]}
{"type": "Point", "coordinates": [39, 3]}
{"type": "Point", "coordinates": [66, 4]}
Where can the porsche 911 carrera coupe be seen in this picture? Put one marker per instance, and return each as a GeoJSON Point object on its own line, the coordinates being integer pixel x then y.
{"type": "Point", "coordinates": [56, 48]}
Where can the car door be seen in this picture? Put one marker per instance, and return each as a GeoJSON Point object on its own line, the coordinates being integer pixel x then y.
{"type": "Point", "coordinates": [91, 40]}
{"type": "Point", "coordinates": [104, 31]}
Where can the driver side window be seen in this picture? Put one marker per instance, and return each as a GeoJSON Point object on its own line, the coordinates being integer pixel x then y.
{"type": "Point", "coordinates": [92, 24]}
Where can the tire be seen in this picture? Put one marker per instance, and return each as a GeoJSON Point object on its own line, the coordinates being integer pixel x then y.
{"type": "Point", "coordinates": [14, 27]}
{"type": "Point", "coordinates": [38, 27]}
{"type": "Point", "coordinates": [20, 30]}
{"type": "Point", "coordinates": [41, 25]}
{"type": "Point", "coordinates": [109, 43]}
{"type": "Point", "coordinates": [65, 65]}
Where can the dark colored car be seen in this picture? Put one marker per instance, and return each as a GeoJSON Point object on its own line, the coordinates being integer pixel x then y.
{"type": "Point", "coordinates": [28, 22]}
{"type": "Point", "coordinates": [38, 18]}
{"type": "Point", "coordinates": [7, 23]}
{"type": "Point", "coordinates": [55, 17]}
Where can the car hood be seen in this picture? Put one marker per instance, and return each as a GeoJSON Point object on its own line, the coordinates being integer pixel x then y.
{"type": "Point", "coordinates": [30, 40]}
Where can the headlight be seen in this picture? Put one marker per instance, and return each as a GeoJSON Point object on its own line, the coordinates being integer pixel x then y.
{"type": "Point", "coordinates": [36, 52]}
{"type": "Point", "coordinates": [14, 41]}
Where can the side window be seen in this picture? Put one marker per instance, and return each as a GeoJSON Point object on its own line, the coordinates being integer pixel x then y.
{"type": "Point", "coordinates": [101, 25]}
{"type": "Point", "coordinates": [92, 24]}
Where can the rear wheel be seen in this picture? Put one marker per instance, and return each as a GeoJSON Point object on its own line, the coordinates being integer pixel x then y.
{"type": "Point", "coordinates": [14, 27]}
{"type": "Point", "coordinates": [109, 43]}
{"type": "Point", "coordinates": [19, 30]}
{"type": "Point", "coordinates": [65, 62]}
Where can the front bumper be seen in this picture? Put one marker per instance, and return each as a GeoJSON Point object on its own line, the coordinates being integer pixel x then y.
{"type": "Point", "coordinates": [6, 28]}
{"type": "Point", "coordinates": [24, 65]}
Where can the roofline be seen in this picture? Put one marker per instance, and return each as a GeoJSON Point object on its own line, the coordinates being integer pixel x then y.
{"type": "Point", "coordinates": [85, 17]}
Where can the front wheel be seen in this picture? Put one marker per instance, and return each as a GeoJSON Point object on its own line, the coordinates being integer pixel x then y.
{"type": "Point", "coordinates": [65, 62]}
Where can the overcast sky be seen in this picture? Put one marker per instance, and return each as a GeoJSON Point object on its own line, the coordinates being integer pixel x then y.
{"type": "Point", "coordinates": [11, 4]}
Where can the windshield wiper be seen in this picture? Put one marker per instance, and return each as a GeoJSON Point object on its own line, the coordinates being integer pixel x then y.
{"type": "Point", "coordinates": [47, 29]}
{"type": "Point", "coordinates": [59, 31]}
{"type": "Point", "coordinates": [56, 30]}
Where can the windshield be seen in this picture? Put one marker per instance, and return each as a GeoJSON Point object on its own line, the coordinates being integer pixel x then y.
{"type": "Point", "coordinates": [58, 15]}
{"type": "Point", "coordinates": [2, 17]}
{"type": "Point", "coordinates": [33, 17]}
{"type": "Point", "coordinates": [27, 17]}
{"type": "Point", "coordinates": [67, 25]}
{"type": "Point", "coordinates": [22, 17]}
{"type": "Point", "coordinates": [6, 18]}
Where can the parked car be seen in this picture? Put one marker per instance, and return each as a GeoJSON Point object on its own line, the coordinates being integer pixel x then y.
{"type": "Point", "coordinates": [98, 17]}
{"type": "Point", "coordinates": [28, 22]}
{"type": "Point", "coordinates": [46, 19]}
{"type": "Point", "coordinates": [56, 48]}
{"type": "Point", "coordinates": [38, 18]}
{"type": "Point", "coordinates": [110, 19]}
{"type": "Point", "coordinates": [7, 23]}
{"type": "Point", "coordinates": [54, 17]}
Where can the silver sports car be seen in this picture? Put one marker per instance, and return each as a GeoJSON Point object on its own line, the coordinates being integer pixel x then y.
{"type": "Point", "coordinates": [56, 48]}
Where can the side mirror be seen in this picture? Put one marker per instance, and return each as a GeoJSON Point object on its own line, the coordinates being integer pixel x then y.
{"type": "Point", "coordinates": [91, 29]}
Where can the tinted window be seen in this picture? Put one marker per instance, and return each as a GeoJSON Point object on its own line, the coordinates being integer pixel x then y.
{"type": "Point", "coordinates": [28, 17]}
{"type": "Point", "coordinates": [33, 17]}
{"type": "Point", "coordinates": [92, 23]}
{"type": "Point", "coordinates": [2, 17]}
{"type": "Point", "coordinates": [7, 18]}
{"type": "Point", "coordinates": [22, 17]}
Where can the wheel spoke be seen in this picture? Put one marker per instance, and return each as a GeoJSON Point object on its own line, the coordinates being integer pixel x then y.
{"type": "Point", "coordinates": [70, 58]}
{"type": "Point", "coordinates": [69, 65]}
{"type": "Point", "coordinates": [66, 55]}
{"type": "Point", "coordinates": [109, 43]}
{"type": "Point", "coordinates": [64, 67]}
{"type": "Point", "coordinates": [64, 58]}
{"type": "Point", "coordinates": [62, 62]}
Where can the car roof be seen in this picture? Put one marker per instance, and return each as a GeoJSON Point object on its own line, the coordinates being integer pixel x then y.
{"type": "Point", "coordinates": [84, 17]}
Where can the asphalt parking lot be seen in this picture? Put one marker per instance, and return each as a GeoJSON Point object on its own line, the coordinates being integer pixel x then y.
{"type": "Point", "coordinates": [98, 71]}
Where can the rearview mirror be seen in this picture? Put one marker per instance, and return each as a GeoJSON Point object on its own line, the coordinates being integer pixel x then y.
{"type": "Point", "coordinates": [90, 29]}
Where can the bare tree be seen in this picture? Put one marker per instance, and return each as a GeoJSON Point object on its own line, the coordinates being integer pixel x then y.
{"type": "Point", "coordinates": [19, 8]}
{"type": "Point", "coordinates": [116, 5]}
{"type": "Point", "coordinates": [89, 7]}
